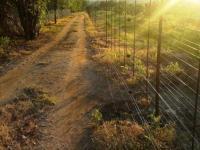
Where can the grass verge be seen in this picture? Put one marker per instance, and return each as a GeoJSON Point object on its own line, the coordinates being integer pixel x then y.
{"type": "Point", "coordinates": [20, 119]}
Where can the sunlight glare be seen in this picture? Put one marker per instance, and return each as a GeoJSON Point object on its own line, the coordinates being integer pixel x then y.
{"type": "Point", "coordinates": [194, 1]}
{"type": "Point", "coordinates": [165, 8]}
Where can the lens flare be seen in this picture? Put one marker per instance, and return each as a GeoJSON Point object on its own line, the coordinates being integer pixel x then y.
{"type": "Point", "coordinates": [194, 1]}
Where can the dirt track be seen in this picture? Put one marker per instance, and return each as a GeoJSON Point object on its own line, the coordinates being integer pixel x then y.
{"type": "Point", "coordinates": [64, 69]}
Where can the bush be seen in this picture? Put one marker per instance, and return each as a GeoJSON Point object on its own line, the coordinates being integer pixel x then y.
{"type": "Point", "coordinates": [3, 54]}
{"type": "Point", "coordinates": [19, 119]}
{"type": "Point", "coordinates": [139, 67]}
{"type": "Point", "coordinates": [173, 68]}
{"type": "Point", "coordinates": [4, 41]}
{"type": "Point", "coordinates": [96, 116]}
{"type": "Point", "coordinates": [121, 135]}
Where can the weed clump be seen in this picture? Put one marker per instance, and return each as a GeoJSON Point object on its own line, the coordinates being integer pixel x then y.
{"type": "Point", "coordinates": [4, 41]}
{"type": "Point", "coordinates": [173, 68]}
{"type": "Point", "coordinates": [19, 119]}
{"type": "Point", "coordinates": [39, 98]}
{"type": "Point", "coordinates": [130, 135]}
{"type": "Point", "coordinates": [144, 102]}
{"type": "Point", "coordinates": [3, 54]}
{"type": "Point", "coordinates": [120, 128]}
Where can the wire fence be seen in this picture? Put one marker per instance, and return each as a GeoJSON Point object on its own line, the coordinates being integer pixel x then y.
{"type": "Point", "coordinates": [167, 62]}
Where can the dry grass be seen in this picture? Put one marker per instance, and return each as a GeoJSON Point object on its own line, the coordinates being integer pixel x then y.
{"type": "Point", "coordinates": [19, 119]}
{"type": "Point", "coordinates": [144, 102]}
{"type": "Point", "coordinates": [51, 27]}
{"type": "Point", "coordinates": [121, 135]}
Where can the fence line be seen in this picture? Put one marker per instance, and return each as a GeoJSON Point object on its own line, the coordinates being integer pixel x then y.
{"type": "Point", "coordinates": [169, 88]}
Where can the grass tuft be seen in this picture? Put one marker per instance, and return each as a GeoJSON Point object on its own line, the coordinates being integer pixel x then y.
{"type": "Point", "coordinates": [19, 119]}
{"type": "Point", "coordinates": [130, 135]}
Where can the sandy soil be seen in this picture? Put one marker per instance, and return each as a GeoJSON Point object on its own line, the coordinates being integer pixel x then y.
{"type": "Point", "coordinates": [64, 69]}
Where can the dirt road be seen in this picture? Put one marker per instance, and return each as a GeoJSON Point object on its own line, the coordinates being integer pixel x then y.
{"type": "Point", "coordinates": [64, 69]}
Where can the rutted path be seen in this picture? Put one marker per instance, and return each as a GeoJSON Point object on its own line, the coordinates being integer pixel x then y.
{"type": "Point", "coordinates": [16, 78]}
{"type": "Point", "coordinates": [65, 70]}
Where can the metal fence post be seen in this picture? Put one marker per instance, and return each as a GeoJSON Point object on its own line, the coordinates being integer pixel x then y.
{"type": "Point", "coordinates": [119, 28]}
{"type": "Point", "coordinates": [195, 109]}
{"type": "Point", "coordinates": [134, 36]}
{"type": "Point", "coordinates": [157, 100]}
{"type": "Point", "coordinates": [55, 10]}
{"type": "Point", "coordinates": [106, 23]}
{"type": "Point", "coordinates": [148, 46]}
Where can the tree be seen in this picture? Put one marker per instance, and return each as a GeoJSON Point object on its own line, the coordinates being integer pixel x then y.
{"type": "Point", "coordinates": [29, 13]}
{"type": "Point", "coordinates": [76, 5]}
{"type": "Point", "coordinates": [10, 24]}
{"type": "Point", "coordinates": [55, 10]}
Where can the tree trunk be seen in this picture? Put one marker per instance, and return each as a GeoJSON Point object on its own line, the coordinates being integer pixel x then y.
{"type": "Point", "coordinates": [29, 17]}
{"type": "Point", "coordinates": [55, 10]}
{"type": "Point", "coordinates": [10, 23]}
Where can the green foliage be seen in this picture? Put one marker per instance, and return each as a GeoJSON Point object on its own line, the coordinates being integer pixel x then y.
{"type": "Point", "coordinates": [96, 116]}
{"type": "Point", "coordinates": [76, 5]}
{"type": "Point", "coordinates": [30, 14]}
{"type": "Point", "coordinates": [43, 13]}
{"type": "Point", "coordinates": [38, 97]}
{"type": "Point", "coordinates": [73, 5]}
{"type": "Point", "coordinates": [155, 119]}
{"type": "Point", "coordinates": [4, 41]}
{"type": "Point", "coordinates": [173, 68]}
{"type": "Point", "coordinates": [139, 67]}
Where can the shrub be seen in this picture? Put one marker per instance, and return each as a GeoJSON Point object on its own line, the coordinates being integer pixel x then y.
{"type": "Point", "coordinates": [4, 41]}
{"type": "Point", "coordinates": [130, 135]}
{"type": "Point", "coordinates": [116, 135]}
{"type": "Point", "coordinates": [165, 134]}
{"type": "Point", "coordinates": [173, 68]}
{"type": "Point", "coordinates": [144, 102]}
{"type": "Point", "coordinates": [139, 67]}
{"type": "Point", "coordinates": [20, 117]}
{"type": "Point", "coordinates": [96, 116]}
{"type": "Point", "coordinates": [3, 54]}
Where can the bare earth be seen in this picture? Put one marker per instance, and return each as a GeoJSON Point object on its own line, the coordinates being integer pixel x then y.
{"type": "Point", "coordinates": [64, 69]}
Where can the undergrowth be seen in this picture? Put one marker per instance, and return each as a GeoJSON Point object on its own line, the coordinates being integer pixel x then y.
{"type": "Point", "coordinates": [173, 68]}
{"type": "Point", "coordinates": [4, 41]}
{"type": "Point", "coordinates": [115, 129]}
{"type": "Point", "coordinates": [123, 135]}
{"type": "Point", "coordinates": [19, 119]}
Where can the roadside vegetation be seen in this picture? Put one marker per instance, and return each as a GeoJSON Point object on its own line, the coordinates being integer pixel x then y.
{"type": "Point", "coordinates": [21, 119]}
{"type": "Point", "coordinates": [180, 51]}
{"type": "Point", "coordinates": [113, 125]}
{"type": "Point", "coordinates": [25, 27]}
{"type": "Point", "coordinates": [20, 37]}
{"type": "Point", "coordinates": [132, 35]}
{"type": "Point", "coordinates": [13, 50]}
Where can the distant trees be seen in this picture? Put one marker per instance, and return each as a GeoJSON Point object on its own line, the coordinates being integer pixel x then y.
{"type": "Point", "coordinates": [73, 5]}
{"type": "Point", "coordinates": [76, 5]}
